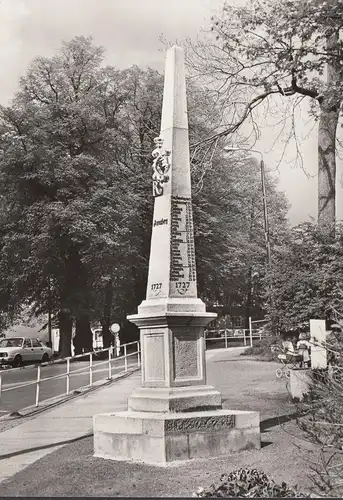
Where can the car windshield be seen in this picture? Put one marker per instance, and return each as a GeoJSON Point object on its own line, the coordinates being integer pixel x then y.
{"type": "Point", "coordinates": [13, 342]}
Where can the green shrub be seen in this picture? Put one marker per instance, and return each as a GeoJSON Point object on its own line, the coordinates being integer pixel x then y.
{"type": "Point", "coordinates": [248, 483]}
{"type": "Point", "coordinates": [263, 348]}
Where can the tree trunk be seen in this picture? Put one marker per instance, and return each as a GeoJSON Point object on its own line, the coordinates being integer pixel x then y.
{"type": "Point", "coordinates": [65, 326]}
{"type": "Point", "coordinates": [328, 122]}
{"type": "Point", "coordinates": [107, 337]}
{"type": "Point", "coordinates": [83, 340]}
{"type": "Point", "coordinates": [327, 166]}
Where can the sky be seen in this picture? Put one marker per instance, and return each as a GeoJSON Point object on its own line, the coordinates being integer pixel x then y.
{"type": "Point", "coordinates": [130, 31]}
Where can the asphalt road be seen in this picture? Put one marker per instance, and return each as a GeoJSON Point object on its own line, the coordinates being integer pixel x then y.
{"type": "Point", "coordinates": [14, 399]}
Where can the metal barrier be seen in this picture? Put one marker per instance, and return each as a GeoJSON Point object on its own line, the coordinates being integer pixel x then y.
{"type": "Point", "coordinates": [245, 338]}
{"type": "Point", "coordinates": [69, 373]}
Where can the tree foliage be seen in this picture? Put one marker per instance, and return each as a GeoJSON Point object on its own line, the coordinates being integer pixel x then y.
{"type": "Point", "coordinates": [267, 52]}
{"type": "Point", "coordinates": [306, 278]}
{"type": "Point", "coordinates": [230, 236]}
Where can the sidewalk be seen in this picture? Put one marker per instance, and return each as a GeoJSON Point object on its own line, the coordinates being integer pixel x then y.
{"type": "Point", "coordinates": [52, 455]}
{"type": "Point", "coordinates": [27, 442]}
{"type": "Point", "coordinates": [31, 440]}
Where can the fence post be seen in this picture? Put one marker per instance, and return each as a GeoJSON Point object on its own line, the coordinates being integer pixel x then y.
{"type": "Point", "coordinates": [225, 333]}
{"type": "Point", "coordinates": [138, 355]}
{"type": "Point", "coordinates": [250, 330]}
{"type": "Point", "coordinates": [109, 363]}
{"type": "Point", "coordinates": [244, 338]}
{"type": "Point", "coordinates": [38, 385]}
{"type": "Point", "coordinates": [90, 369]}
{"type": "Point", "coordinates": [125, 358]}
{"type": "Point", "coordinates": [68, 376]}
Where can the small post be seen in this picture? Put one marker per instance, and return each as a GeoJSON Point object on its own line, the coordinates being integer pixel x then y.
{"type": "Point", "coordinates": [250, 330]}
{"type": "Point", "coordinates": [0, 385]}
{"type": "Point", "coordinates": [68, 376]}
{"type": "Point", "coordinates": [138, 357]}
{"type": "Point", "coordinates": [125, 358]}
{"type": "Point", "coordinates": [117, 340]}
{"type": "Point", "coordinates": [244, 338]}
{"type": "Point", "coordinates": [109, 363]}
{"type": "Point", "coordinates": [38, 385]}
{"type": "Point", "coordinates": [225, 334]}
{"type": "Point", "coordinates": [90, 369]}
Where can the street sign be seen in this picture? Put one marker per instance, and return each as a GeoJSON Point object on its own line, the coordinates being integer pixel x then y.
{"type": "Point", "coordinates": [115, 328]}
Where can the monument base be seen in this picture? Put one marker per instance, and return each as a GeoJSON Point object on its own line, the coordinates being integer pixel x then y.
{"type": "Point", "coordinates": [162, 438]}
{"type": "Point", "coordinates": [180, 399]}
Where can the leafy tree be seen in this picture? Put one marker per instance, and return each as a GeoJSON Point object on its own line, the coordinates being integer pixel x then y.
{"type": "Point", "coordinates": [60, 183]}
{"type": "Point", "coordinates": [267, 51]}
{"type": "Point", "coordinates": [306, 277]}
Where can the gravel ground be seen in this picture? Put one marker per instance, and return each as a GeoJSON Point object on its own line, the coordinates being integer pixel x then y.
{"type": "Point", "coordinates": [245, 384]}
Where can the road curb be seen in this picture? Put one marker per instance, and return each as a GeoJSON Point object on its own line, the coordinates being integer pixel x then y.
{"type": "Point", "coordinates": [31, 411]}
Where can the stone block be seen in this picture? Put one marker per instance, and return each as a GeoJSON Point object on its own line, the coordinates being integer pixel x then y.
{"type": "Point", "coordinates": [178, 399]}
{"type": "Point", "coordinates": [163, 438]}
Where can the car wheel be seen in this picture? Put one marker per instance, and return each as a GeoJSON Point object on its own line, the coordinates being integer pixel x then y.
{"type": "Point", "coordinates": [45, 358]}
{"type": "Point", "coordinates": [18, 361]}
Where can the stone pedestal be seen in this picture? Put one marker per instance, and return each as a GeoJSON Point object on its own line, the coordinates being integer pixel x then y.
{"type": "Point", "coordinates": [163, 438]}
{"type": "Point", "coordinates": [175, 415]}
{"type": "Point", "coordinates": [173, 358]}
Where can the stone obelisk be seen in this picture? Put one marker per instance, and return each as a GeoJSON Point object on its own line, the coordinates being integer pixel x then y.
{"type": "Point", "coordinates": [174, 415]}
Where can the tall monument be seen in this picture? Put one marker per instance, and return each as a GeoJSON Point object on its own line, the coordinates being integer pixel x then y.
{"type": "Point", "coordinates": [174, 415]}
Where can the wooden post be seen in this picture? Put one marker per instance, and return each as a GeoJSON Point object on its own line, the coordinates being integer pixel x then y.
{"type": "Point", "coordinates": [68, 376]}
{"type": "Point", "coordinates": [38, 385]}
{"type": "Point", "coordinates": [250, 330]}
{"type": "Point", "coordinates": [125, 358]}
{"type": "Point", "coordinates": [109, 363]}
{"type": "Point", "coordinates": [91, 369]}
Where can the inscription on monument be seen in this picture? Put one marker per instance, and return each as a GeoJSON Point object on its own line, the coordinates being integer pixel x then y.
{"type": "Point", "coordinates": [182, 258]}
{"type": "Point", "coordinates": [160, 222]}
{"type": "Point", "coordinates": [199, 423]}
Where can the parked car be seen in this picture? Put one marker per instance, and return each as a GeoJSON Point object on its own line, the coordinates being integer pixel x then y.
{"type": "Point", "coordinates": [18, 350]}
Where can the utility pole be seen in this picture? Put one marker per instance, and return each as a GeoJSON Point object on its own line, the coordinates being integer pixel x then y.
{"type": "Point", "coordinates": [264, 199]}
{"type": "Point", "coordinates": [265, 213]}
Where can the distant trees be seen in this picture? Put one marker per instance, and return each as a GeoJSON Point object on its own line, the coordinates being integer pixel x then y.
{"type": "Point", "coordinates": [63, 144]}
{"type": "Point", "coordinates": [75, 187]}
{"type": "Point", "coordinates": [265, 52]}
{"type": "Point", "coordinates": [229, 233]}
{"type": "Point", "coordinates": [306, 278]}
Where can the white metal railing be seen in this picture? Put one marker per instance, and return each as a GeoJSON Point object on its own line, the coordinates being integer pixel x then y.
{"type": "Point", "coordinates": [245, 336]}
{"type": "Point", "coordinates": [69, 373]}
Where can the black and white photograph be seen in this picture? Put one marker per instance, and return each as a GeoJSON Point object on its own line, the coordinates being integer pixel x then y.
{"type": "Point", "coordinates": [171, 248]}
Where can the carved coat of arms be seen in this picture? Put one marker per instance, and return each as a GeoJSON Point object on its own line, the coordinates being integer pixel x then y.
{"type": "Point", "coordinates": [161, 166]}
